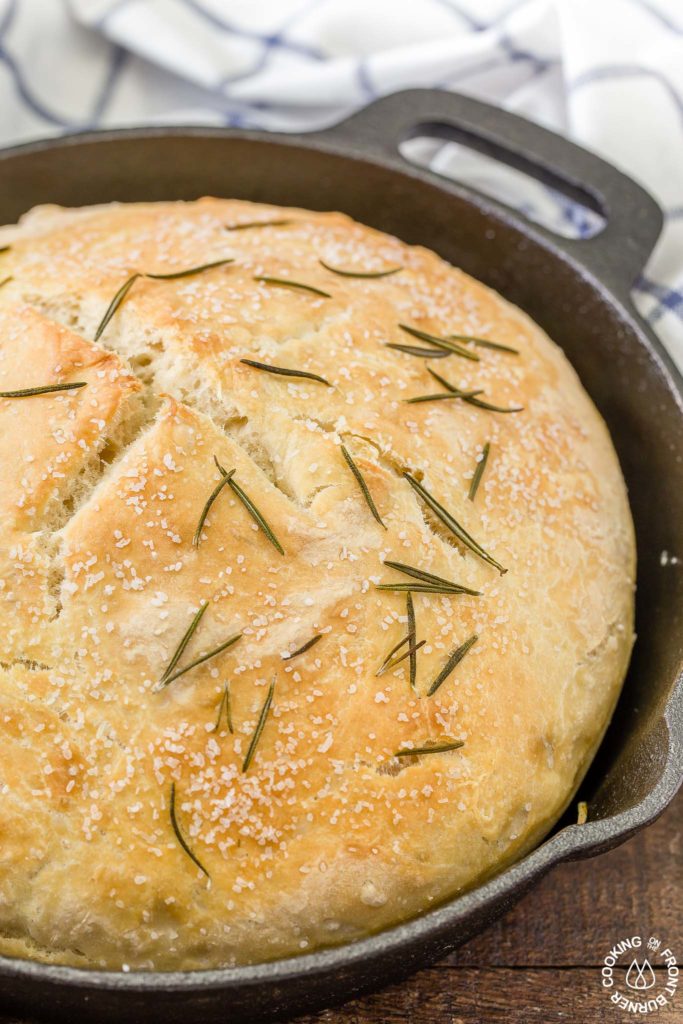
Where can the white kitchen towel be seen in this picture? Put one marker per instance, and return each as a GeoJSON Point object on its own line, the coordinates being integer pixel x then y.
{"type": "Point", "coordinates": [609, 73]}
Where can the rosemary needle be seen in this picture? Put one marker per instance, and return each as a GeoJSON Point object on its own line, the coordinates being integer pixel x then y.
{"type": "Point", "coordinates": [200, 661]}
{"type": "Point", "coordinates": [356, 273]}
{"type": "Point", "coordinates": [259, 727]}
{"type": "Point", "coordinates": [187, 636]}
{"type": "Point", "coordinates": [390, 655]}
{"type": "Point", "coordinates": [225, 703]}
{"type": "Point", "coordinates": [447, 396]}
{"type": "Point", "coordinates": [362, 484]}
{"type": "Point", "coordinates": [393, 662]}
{"type": "Point", "coordinates": [255, 514]}
{"type": "Point", "coordinates": [439, 342]}
{"type": "Point", "coordinates": [304, 647]}
{"type": "Point", "coordinates": [251, 509]}
{"type": "Point", "coordinates": [228, 707]}
{"type": "Point", "coordinates": [285, 371]}
{"type": "Point", "coordinates": [46, 389]}
{"type": "Point", "coordinates": [470, 397]}
{"type": "Point", "coordinates": [453, 525]}
{"type": "Point", "coordinates": [179, 835]}
{"type": "Point", "coordinates": [436, 748]}
{"type": "Point", "coordinates": [424, 588]}
{"type": "Point", "coordinates": [114, 305]}
{"type": "Point", "coordinates": [455, 658]}
{"type": "Point", "coordinates": [492, 408]}
{"type": "Point", "coordinates": [6, 280]}
{"type": "Point", "coordinates": [257, 224]}
{"type": "Point", "coordinates": [285, 282]}
{"type": "Point", "coordinates": [415, 350]}
{"type": "Point", "coordinates": [412, 639]}
{"type": "Point", "coordinates": [174, 275]}
{"type": "Point", "coordinates": [127, 285]}
{"type": "Point", "coordinates": [479, 471]}
{"type": "Point", "coordinates": [483, 343]}
{"type": "Point", "coordinates": [225, 479]}
{"type": "Point", "coordinates": [444, 383]}
{"type": "Point", "coordinates": [430, 578]}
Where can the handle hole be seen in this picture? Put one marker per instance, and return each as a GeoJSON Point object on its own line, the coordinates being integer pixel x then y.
{"type": "Point", "coordinates": [564, 207]}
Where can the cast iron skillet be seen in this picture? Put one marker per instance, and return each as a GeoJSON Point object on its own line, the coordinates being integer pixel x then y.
{"type": "Point", "coordinates": [577, 291]}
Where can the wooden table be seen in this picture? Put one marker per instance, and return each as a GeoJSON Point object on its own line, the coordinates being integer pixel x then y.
{"type": "Point", "coordinates": [541, 963]}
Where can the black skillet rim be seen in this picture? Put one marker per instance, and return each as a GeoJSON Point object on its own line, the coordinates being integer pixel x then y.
{"type": "Point", "coordinates": [573, 841]}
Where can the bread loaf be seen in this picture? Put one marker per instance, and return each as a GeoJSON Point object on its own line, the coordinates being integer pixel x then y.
{"type": "Point", "coordinates": [287, 656]}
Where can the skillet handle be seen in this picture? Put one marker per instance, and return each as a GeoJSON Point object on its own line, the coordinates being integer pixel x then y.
{"type": "Point", "coordinates": [633, 220]}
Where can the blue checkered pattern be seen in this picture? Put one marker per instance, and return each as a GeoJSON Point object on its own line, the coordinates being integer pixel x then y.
{"type": "Point", "coordinates": [608, 72]}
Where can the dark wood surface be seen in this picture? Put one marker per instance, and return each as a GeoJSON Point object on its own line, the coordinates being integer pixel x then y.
{"type": "Point", "coordinates": [541, 963]}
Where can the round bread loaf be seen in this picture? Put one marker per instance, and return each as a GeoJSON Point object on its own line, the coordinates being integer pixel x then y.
{"type": "Point", "coordinates": [287, 655]}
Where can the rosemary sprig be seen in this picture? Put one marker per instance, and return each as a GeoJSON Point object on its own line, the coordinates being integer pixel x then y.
{"type": "Point", "coordinates": [448, 396]}
{"type": "Point", "coordinates": [179, 835]}
{"type": "Point", "coordinates": [471, 398]}
{"type": "Point", "coordinates": [356, 273]}
{"type": "Point", "coordinates": [204, 657]}
{"type": "Point", "coordinates": [6, 280]}
{"type": "Point", "coordinates": [187, 636]}
{"type": "Point", "coordinates": [253, 511]}
{"type": "Point", "coordinates": [393, 662]}
{"type": "Point", "coordinates": [453, 525]}
{"type": "Point", "coordinates": [225, 703]}
{"type": "Point", "coordinates": [225, 479]}
{"type": "Point", "coordinates": [454, 659]}
{"type": "Point", "coordinates": [363, 486]}
{"type": "Point", "coordinates": [285, 371]}
{"type": "Point", "coordinates": [114, 304]}
{"type": "Point", "coordinates": [435, 748]}
{"type": "Point", "coordinates": [483, 343]}
{"type": "Point", "coordinates": [581, 812]}
{"type": "Point", "coordinates": [479, 471]}
{"type": "Point", "coordinates": [430, 578]}
{"type": "Point", "coordinates": [259, 727]}
{"type": "Point", "coordinates": [415, 350]}
{"type": "Point", "coordinates": [257, 224]}
{"type": "Point", "coordinates": [439, 342]}
{"type": "Point", "coordinates": [127, 285]}
{"type": "Point", "coordinates": [304, 647]}
{"type": "Point", "coordinates": [285, 282]}
{"type": "Point", "coordinates": [412, 639]}
{"type": "Point", "coordinates": [46, 389]}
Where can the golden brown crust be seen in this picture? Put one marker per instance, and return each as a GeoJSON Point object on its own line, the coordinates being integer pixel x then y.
{"type": "Point", "coordinates": [327, 835]}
